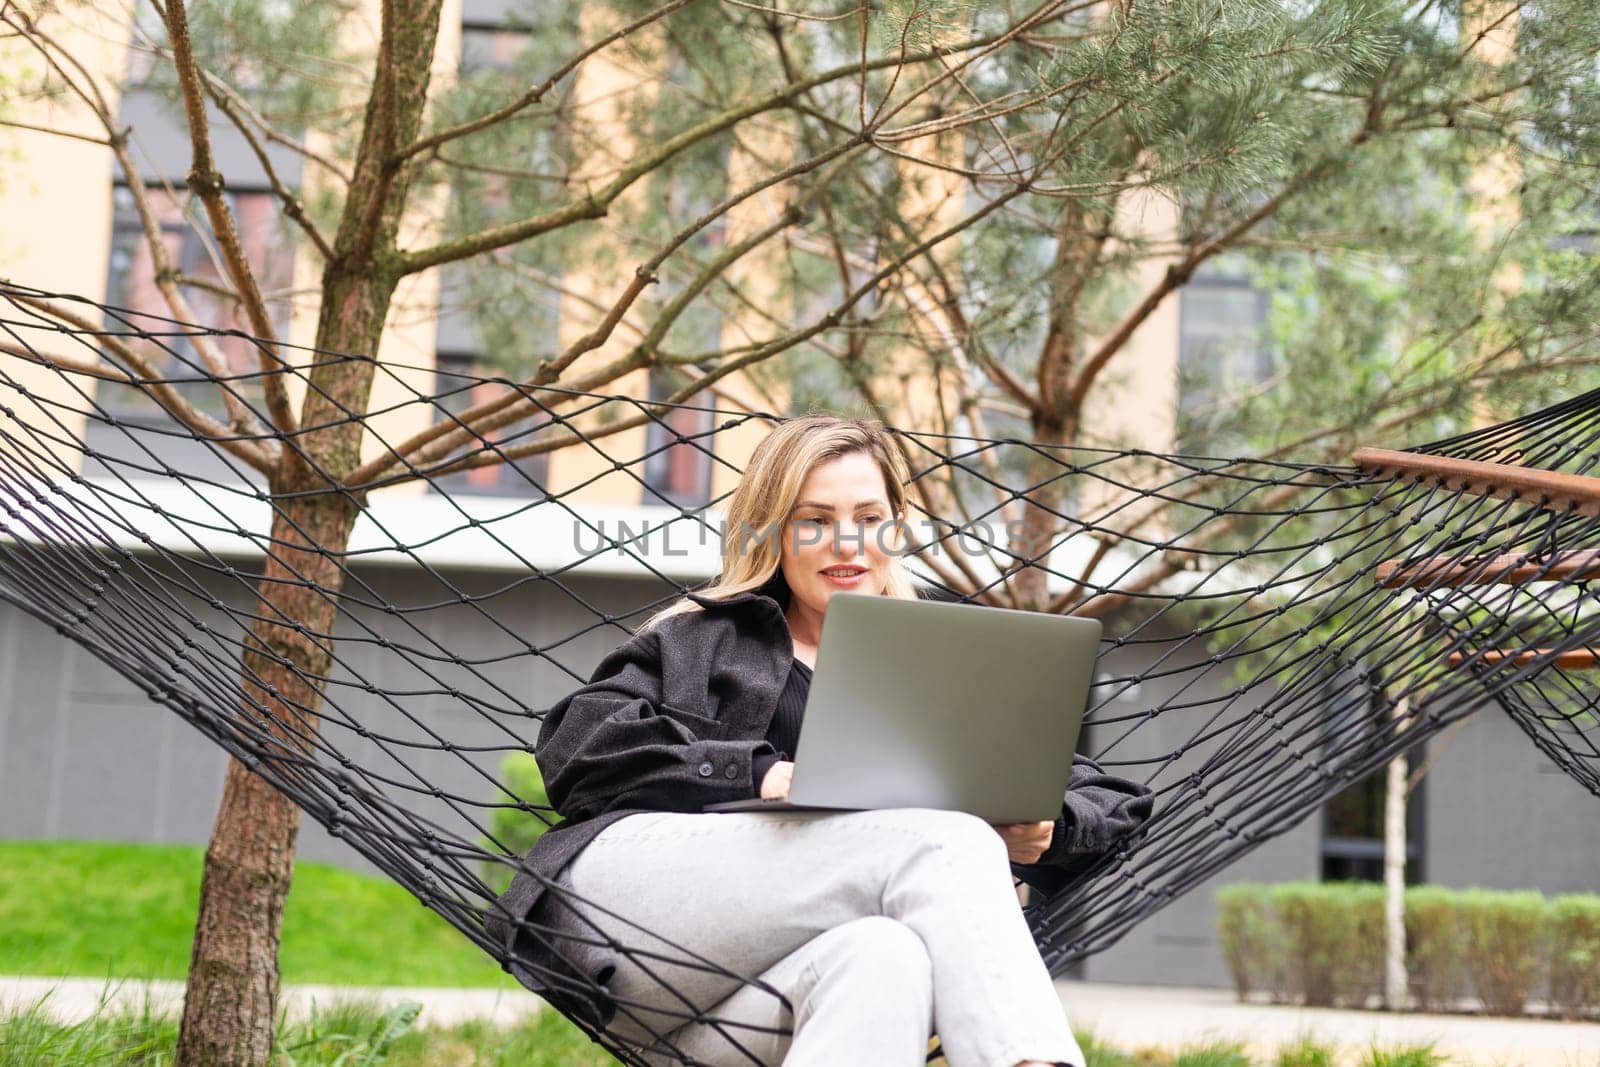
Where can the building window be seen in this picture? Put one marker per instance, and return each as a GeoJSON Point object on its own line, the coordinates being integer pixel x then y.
{"type": "Point", "coordinates": [1221, 351]}
{"type": "Point", "coordinates": [677, 473]}
{"type": "Point", "coordinates": [1352, 821]}
{"type": "Point", "coordinates": [459, 385]}
{"type": "Point", "coordinates": [491, 47]}
{"type": "Point", "coordinates": [131, 284]}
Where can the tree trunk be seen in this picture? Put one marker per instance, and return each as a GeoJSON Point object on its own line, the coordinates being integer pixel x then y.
{"type": "Point", "coordinates": [1394, 878]}
{"type": "Point", "coordinates": [230, 1003]}
{"type": "Point", "coordinates": [1032, 538]}
{"type": "Point", "coordinates": [230, 1006]}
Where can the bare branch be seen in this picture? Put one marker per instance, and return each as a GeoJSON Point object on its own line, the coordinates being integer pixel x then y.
{"type": "Point", "coordinates": [1175, 277]}
{"type": "Point", "coordinates": [70, 135]}
{"type": "Point", "coordinates": [597, 204]}
{"type": "Point", "coordinates": [798, 15]}
{"type": "Point", "coordinates": [141, 374]}
{"type": "Point", "coordinates": [441, 439]}
{"type": "Point", "coordinates": [292, 206]}
{"type": "Point", "coordinates": [537, 93]}
{"type": "Point", "coordinates": [372, 475]}
{"type": "Point", "coordinates": [207, 183]}
{"type": "Point", "coordinates": [242, 419]}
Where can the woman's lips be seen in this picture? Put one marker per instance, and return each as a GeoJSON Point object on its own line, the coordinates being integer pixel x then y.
{"type": "Point", "coordinates": [846, 582]}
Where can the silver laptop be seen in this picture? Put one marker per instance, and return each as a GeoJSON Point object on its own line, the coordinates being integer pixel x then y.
{"type": "Point", "coordinates": [922, 704]}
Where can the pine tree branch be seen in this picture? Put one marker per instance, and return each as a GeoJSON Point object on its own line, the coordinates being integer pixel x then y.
{"type": "Point", "coordinates": [102, 142]}
{"type": "Point", "coordinates": [231, 103]}
{"type": "Point", "coordinates": [270, 132]}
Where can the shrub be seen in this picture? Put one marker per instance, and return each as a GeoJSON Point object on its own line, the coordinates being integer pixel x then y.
{"type": "Point", "coordinates": [517, 821]}
{"type": "Point", "coordinates": [1504, 946]}
{"type": "Point", "coordinates": [1334, 934]}
{"type": "Point", "coordinates": [1252, 937]}
{"type": "Point", "coordinates": [1434, 947]}
{"type": "Point", "coordinates": [1574, 935]}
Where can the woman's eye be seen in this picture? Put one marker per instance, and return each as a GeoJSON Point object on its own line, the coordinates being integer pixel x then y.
{"type": "Point", "coordinates": [871, 518]}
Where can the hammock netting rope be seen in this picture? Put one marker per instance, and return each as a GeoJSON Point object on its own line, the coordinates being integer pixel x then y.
{"type": "Point", "coordinates": [1255, 664]}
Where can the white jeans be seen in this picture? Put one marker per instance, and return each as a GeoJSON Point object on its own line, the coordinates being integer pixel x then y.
{"type": "Point", "coordinates": [864, 932]}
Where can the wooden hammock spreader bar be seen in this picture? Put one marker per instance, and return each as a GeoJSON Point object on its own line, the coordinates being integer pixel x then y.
{"type": "Point", "coordinates": [1560, 492]}
{"type": "Point", "coordinates": [1577, 659]}
{"type": "Point", "coordinates": [1514, 569]}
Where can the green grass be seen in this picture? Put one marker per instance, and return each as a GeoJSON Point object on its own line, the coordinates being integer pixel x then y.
{"type": "Point", "coordinates": [90, 909]}
{"type": "Point", "coordinates": [1403, 1056]}
{"type": "Point", "coordinates": [354, 1035]}
{"type": "Point", "coordinates": [1305, 1052]}
{"type": "Point", "coordinates": [361, 1035]}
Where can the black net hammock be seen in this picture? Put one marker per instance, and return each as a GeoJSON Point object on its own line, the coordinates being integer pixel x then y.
{"type": "Point", "coordinates": [1275, 631]}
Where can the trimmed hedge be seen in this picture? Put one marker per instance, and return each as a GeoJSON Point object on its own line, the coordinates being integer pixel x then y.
{"type": "Point", "coordinates": [1334, 934]}
{"type": "Point", "coordinates": [1504, 946]}
{"type": "Point", "coordinates": [1434, 960]}
{"type": "Point", "coordinates": [1574, 925]}
{"type": "Point", "coordinates": [1322, 943]}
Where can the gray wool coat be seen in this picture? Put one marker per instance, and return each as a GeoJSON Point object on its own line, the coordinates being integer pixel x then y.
{"type": "Point", "coordinates": [671, 721]}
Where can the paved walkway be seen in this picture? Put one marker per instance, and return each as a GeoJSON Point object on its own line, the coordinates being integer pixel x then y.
{"type": "Point", "coordinates": [1129, 1017]}
{"type": "Point", "coordinates": [1144, 1016]}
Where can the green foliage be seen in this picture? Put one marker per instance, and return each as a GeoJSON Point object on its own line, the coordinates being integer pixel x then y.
{"type": "Point", "coordinates": [358, 1035]}
{"type": "Point", "coordinates": [516, 825]}
{"type": "Point", "coordinates": [135, 919]}
{"type": "Point", "coordinates": [1434, 963]}
{"type": "Point", "coordinates": [30, 1036]}
{"type": "Point", "coordinates": [1574, 939]}
{"type": "Point", "coordinates": [1505, 942]}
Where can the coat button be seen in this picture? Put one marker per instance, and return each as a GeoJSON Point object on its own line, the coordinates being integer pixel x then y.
{"type": "Point", "coordinates": [731, 772]}
{"type": "Point", "coordinates": [706, 769]}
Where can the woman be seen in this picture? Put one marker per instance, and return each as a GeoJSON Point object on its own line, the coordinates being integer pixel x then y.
{"type": "Point", "coordinates": [861, 932]}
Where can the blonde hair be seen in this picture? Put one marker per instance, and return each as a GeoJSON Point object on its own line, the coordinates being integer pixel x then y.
{"type": "Point", "coordinates": [767, 492]}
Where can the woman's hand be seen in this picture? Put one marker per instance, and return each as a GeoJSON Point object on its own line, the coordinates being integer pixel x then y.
{"type": "Point", "coordinates": [1025, 841]}
{"type": "Point", "coordinates": [775, 786]}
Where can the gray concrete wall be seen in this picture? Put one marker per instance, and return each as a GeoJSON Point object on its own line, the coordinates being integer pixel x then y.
{"type": "Point", "coordinates": [85, 754]}
{"type": "Point", "coordinates": [1501, 815]}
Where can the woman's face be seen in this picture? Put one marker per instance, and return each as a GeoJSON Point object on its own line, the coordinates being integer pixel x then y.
{"type": "Point", "coordinates": [838, 537]}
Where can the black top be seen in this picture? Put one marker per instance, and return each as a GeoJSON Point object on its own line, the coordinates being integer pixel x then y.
{"type": "Point", "coordinates": [784, 733]}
